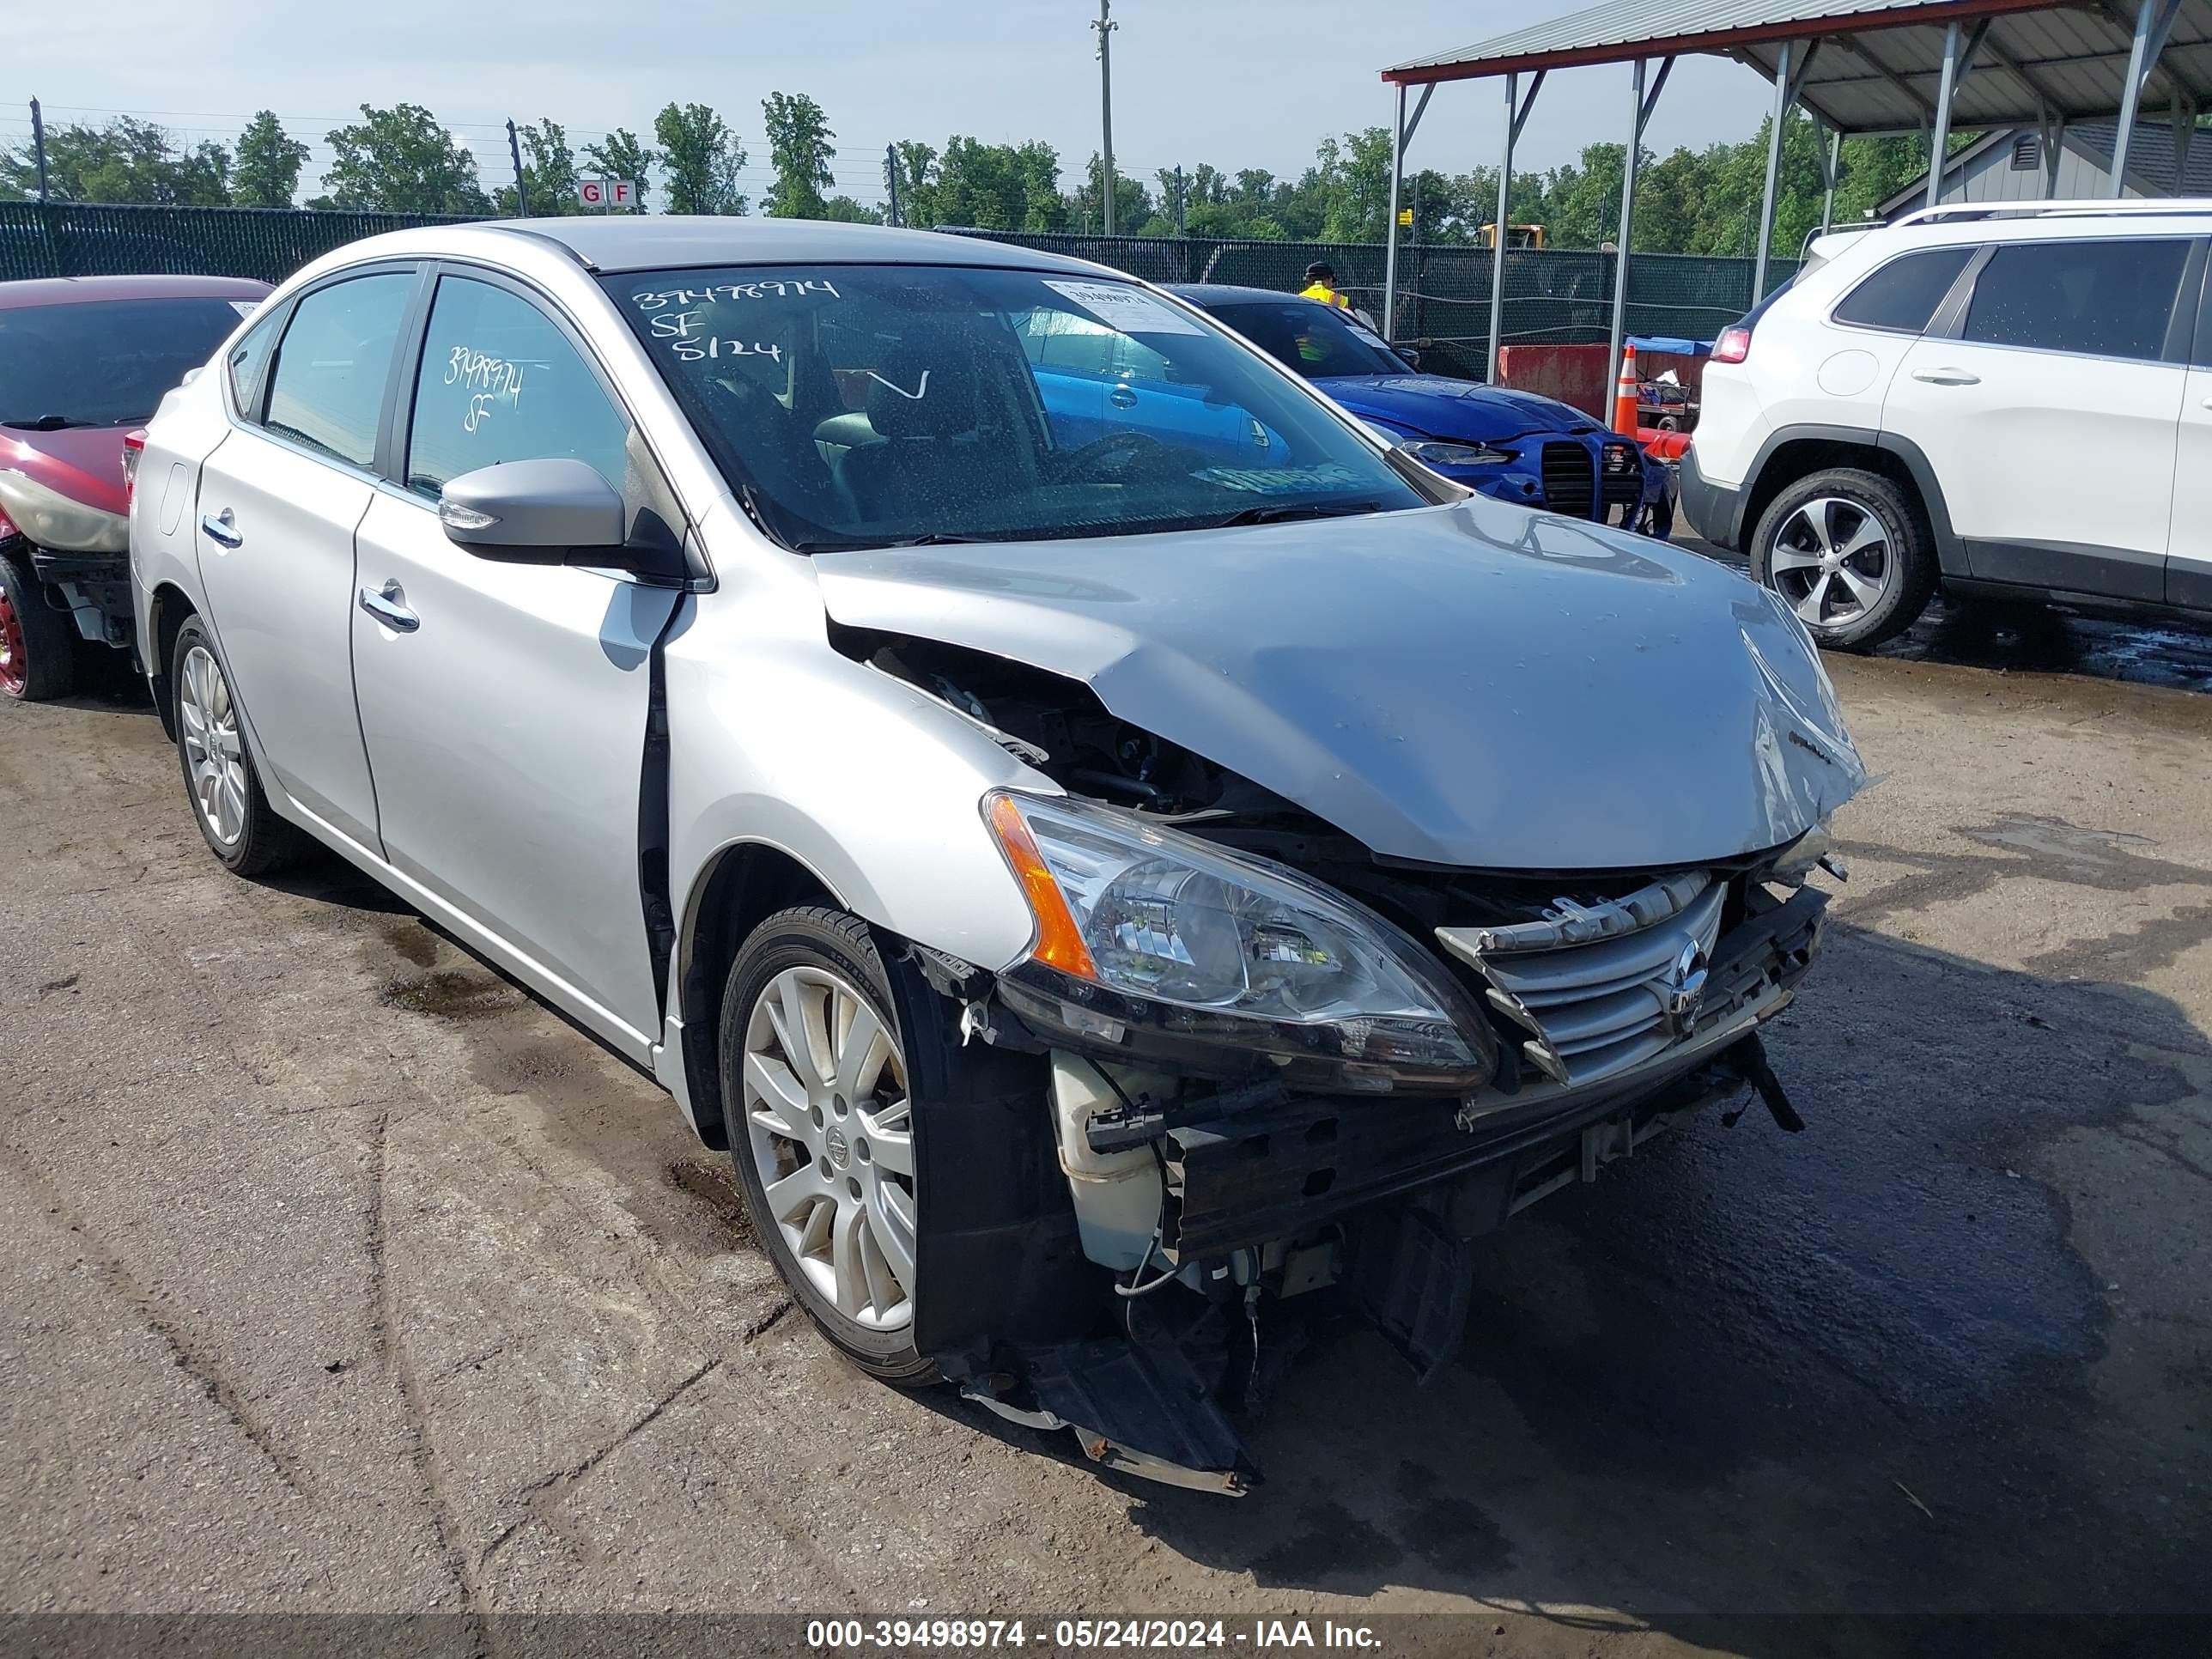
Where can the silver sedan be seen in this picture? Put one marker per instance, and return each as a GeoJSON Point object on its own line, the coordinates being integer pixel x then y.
{"type": "Point", "coordinates": [1073, 813]}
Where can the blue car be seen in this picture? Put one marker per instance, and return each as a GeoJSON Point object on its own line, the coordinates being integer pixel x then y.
{"type": "Point", "coordinates": [1513, 445]}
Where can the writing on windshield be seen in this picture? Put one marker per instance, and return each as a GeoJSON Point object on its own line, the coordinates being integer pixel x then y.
{"type": "Point", "coordinates": [873, 405]}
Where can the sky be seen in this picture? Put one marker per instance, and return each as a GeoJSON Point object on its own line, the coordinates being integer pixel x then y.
{"type": "Point", "coordinates": [1236, 82]}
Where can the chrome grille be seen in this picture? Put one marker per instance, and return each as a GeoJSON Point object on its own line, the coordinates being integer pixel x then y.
{"type": "Point", "coordinates": [1600, 988]}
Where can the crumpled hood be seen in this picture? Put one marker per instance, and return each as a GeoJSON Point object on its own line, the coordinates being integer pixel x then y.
{"type": "Point", "coordinates": [1440, 408]}
{"type": "Point", "coordinates": [82, 463]}
{"type": "Point", "coordinates": [1475, 685]}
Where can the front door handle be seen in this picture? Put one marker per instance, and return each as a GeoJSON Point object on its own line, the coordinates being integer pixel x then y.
{"type": "Point", "coordinates": [221, 529]}
{"type": "Point", "coordinates": [388, 604]}
{"type": "Point", "coordinates": [1121, 398]}
{"type": "Point", "coordinates": [1947, 377]}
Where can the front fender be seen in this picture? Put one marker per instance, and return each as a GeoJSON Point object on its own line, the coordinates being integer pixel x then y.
{"type": "Point", "coordinates": [775, 739]}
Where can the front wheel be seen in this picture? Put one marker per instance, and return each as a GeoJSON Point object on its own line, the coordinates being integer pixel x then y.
{"type": "Point", "coordinates": [1846, 550]}
{"type": "Point", "coordinates": [38, 647]}
{"type": "Point", "coordinates": [821, 1125]}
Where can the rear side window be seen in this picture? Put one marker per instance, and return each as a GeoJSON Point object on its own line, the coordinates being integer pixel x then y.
{"type": "Point", "coordinates": [2107, 299]}
{"type": "Point", "coordinates": [501, 381]}
{"type": "Point", "coordinates": [326, 389]}
{"type": "Point", "coordinates": [1905, 293]}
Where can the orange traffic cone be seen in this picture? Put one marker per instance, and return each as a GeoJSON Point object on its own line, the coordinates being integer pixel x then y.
{"type": "Point", "coordinates": [1624, 393]}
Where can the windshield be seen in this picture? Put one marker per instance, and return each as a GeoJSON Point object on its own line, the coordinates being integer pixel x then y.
{"type": "Point", "coordinates": [1316, 340]}
{"type": "Point", "coordinates": [103, 363]}
{"type": "Point", "coordinates": [874, 405]}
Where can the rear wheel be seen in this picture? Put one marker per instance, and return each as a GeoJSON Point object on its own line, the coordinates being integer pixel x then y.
{"type": "Point", "coordinates": [235, 820]}
{"type": "Point", "coordinates": [38, 647]}
{"type": "Point", "coordinates": [1846, 550]}
{"type": "Point", "coordinates": [821, 1129]}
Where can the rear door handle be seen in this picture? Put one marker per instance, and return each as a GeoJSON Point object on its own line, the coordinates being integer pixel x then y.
{"type": "Point", "coordinates": [388, 605]}
{"type": "Point", "coordinates": [1947, 377]}
{"type": "Point", "coordinates": [221, 529]}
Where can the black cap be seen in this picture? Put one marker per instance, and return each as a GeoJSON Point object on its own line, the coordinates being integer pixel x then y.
{"type": "Point", "coordinates": [1319, 271]}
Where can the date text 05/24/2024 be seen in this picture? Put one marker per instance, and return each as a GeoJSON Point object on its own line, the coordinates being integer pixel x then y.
{"type": "Point", "coordinates": [893, 1635]}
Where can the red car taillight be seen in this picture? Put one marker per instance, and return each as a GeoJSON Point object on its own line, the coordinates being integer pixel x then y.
{"type": "Point", "coordinates": [1733, 345]}
{"type": "Point", "coordinates": [134, 446]}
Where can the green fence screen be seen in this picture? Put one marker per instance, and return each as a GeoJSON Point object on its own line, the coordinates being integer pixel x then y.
{"type": "Point", "coordinates": [1553, 296]}
{"type": "Point", "coordinates": [74, 239]}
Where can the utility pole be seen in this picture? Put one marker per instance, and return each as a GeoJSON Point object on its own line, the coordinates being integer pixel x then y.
{"type": "Point", "coordinates": [1106, 26]}
{"type": "Point", "coordinates": [521, 189]}
{"type": "Point", "coordinates": [38, 144]}
{"type": "Point", "coordinates": [890, 180]}
{"type": "Point", "coordinates": [1179, 200]}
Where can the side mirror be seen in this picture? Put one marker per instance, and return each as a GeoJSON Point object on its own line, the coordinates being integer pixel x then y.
{"type": "Point", "coordinates": [1411, 356]}
{"type": "Point", "coordinates": [534, 512]}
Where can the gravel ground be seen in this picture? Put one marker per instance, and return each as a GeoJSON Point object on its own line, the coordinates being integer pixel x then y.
{"type": "Point", "coordinates": [336, 1275]}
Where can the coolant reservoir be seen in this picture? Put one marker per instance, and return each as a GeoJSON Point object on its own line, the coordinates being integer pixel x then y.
{"type": "Point", "coordinates": [1117, 1195]}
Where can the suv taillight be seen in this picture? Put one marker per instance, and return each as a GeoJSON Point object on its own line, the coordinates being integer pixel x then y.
{"type": "Point", "coordinates": [1733, 345]}
{"type": "Point", "coordinates": [134, 446]}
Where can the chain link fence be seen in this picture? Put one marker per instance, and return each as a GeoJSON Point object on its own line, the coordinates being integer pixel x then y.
{"type": "Point", "coordinates": [77, 239]}
{"type": "Point", "coordinates": [1553, 296]}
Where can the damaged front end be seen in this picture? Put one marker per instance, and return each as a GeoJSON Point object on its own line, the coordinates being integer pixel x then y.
{"type": "Point", "coordinates": [1286, 1071]}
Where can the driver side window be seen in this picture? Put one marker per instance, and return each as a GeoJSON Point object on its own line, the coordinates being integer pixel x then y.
{"type": "Point", "coordinates": [500, 381]}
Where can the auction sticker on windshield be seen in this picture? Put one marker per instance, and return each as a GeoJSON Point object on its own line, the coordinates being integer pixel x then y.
{"type": "Point", "coordinates": [1130, 310]}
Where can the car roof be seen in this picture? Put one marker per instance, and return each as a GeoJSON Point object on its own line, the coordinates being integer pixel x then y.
{"type": "Point", "coordinates": [76, 290]}
{"type": "Point", "coordinates": [2033, 221]}
{"type": "Point", "coordinates": [1224, 294]}
{"type": "Point", "coordinates": [615, 242]}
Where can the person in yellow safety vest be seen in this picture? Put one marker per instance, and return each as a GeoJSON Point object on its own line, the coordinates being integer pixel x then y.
{"type": "Point", "coordinates": [1320, 280]}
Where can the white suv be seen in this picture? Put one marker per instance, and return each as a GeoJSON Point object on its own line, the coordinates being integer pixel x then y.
{"type": "Point", "coordinates": [2006, 401]}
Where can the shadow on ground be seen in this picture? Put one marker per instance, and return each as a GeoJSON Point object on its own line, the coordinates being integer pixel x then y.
{"type": "Point", "coordinates": [1856, 1368]}
{"type": "Point", "coordinates": [2040, 639]}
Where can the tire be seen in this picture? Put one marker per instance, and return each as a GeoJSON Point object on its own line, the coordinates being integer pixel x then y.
{"type": "Point", "coordinates": [235, 820]}
{"type": "Point", "coordinates": [38, 646]}
{"type": "Point", "coordinates": [1803, 551]}
{"type": "Point", "coordinates": [840, 1227]}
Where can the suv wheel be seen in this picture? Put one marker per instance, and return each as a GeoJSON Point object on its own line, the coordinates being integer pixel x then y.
{"type": "Point", "coordinates": [239, 826]}
{"type": "Point", "coordinates": [38, 647]}
{"type": "Point", "coordinates": [1846, 551]}
{"type": "Point", "coordinates": [822, 1131]}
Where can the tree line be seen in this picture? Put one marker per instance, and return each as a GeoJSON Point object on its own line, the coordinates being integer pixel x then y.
{"type": "Point", "coordinates": [401, 159]}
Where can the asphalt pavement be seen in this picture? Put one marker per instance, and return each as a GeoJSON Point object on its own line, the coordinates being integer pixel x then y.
{"type": "Point", "coordinates": [338, 1275]}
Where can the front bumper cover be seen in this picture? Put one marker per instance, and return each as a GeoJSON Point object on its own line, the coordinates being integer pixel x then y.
{"type": "Point", "coordinates": [1268, 1163]}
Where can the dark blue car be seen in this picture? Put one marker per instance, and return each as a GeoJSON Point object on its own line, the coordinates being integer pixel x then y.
{"type": "Point", "coordinates": [1512, 445]}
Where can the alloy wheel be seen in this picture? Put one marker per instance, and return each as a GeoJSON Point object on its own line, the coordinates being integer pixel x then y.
{"type": "Point", "coordinates": [1831, 561]}
{"type": "Point", "coordinates": [213, 753]}
{"type": "Point", "coordinates": [829, 1126]}
{"type": "Point", "coordinates": [15, 655]}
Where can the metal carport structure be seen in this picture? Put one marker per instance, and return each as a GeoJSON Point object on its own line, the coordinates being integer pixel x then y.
{"type": "Point", "coordinates": [1855, 66]}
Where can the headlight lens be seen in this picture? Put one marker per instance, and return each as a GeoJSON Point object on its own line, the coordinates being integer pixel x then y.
{"type": "Point", "coordinates": [1150, 914]}
{"type": "Point", "coordinates": [52, 519]}
{"type": "Point", "coordinates": [1434, 452]}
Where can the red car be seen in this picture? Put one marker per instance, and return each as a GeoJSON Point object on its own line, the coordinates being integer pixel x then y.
{"type": "Point", "coordinates": [82, 361]}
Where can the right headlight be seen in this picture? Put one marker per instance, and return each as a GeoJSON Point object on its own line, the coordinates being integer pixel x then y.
{"type": "Point", "coordinates": [1230, 949]}
{"type": "Point", "coordinates": [1432, 452]}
